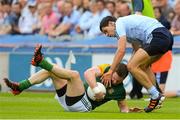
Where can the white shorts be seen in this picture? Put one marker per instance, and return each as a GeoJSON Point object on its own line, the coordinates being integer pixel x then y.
{"type": "Point", "coordinates": [82, 105]}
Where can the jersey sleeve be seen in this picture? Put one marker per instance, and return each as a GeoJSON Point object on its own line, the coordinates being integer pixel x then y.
{"type": "Point", "coordinates": [120, 29]}
{"type": "Point", "coordinates": [102, 67]}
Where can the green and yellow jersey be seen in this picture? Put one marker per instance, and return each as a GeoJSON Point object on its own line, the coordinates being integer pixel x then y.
{"type": "Point", "coordinates": [115, 92]}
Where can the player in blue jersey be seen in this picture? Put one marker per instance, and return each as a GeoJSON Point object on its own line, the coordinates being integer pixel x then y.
{"type": "Point", "coordinates": [156, 40]}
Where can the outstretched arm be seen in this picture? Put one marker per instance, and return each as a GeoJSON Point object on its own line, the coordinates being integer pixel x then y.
{"type": "Point", "coordinates": [123, 107]}
{"type": "Point", "coordinates": [120, 52]}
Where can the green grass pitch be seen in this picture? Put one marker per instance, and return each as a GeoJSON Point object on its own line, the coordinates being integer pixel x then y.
{"type": "Point", "coordinates": [31, 105]}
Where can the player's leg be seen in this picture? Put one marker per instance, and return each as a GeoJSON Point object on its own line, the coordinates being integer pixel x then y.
{"type": "Point", "coordinates": [74, 86]}
{"type": "Point", "coordinates": [71, 95]}
{"type": "Point", "coordinates": [74, 83]}
{"type": "Point", "coordinates": [76, 99]}
{"type": "Point", "coordinates": [138, 67]}
{"type": "Point", "coordinates": [18, 87]}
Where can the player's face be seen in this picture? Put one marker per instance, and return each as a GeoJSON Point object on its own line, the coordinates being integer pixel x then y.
{"type": "Point", "coordinates": [116, 79]}
{"type": "Point", "coordinates": [109, 30]}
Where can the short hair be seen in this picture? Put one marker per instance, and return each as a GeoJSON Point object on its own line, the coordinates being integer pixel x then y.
{"type": "Point", "coordinates": [122, 70]}
{"type": "Point", "coordinates": [102, 1]}
{"type": "Point", "coordinates": [158, 8]}
{"type": "Point", "coordinates": [111, 2]}
{"type": "Point", "coordinates": [105, 21]}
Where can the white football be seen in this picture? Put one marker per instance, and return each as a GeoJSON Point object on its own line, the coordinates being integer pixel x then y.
{"type": "Point", "coordinates": [90, 92]}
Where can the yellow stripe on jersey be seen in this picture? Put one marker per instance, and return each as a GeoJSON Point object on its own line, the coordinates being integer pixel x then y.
{"type": "Point", "coordinates": [102, 67]}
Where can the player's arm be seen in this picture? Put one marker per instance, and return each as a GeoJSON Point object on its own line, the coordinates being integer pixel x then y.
{"type": "Point", "coordinates": [120, 52]}
{"type": "Point", "coordinates": [123, 107]}
{"type": "Point", "coordinates": [91, 74]}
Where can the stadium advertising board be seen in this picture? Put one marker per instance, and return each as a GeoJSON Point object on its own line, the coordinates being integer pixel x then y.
{"type": "Point", "coordinates": [20, 67]}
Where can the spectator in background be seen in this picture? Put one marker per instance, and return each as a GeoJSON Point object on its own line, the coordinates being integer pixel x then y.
{"type": "Point", "coordinates": [28, 20]}
{"type": "Point", "coordinates": [175, 28]}
{"type": "Point", "coordinates": [40, 14]}
{"type": "Point", "coordinates": [50, 20]}
{"type": "Point", "coordinates": [70, 20]}
{"type": "Point", "coordinates": [117, 8]}
{"type": "Point", "coordinates": [167, 10]}
{"type": "Point", "coordinates": [85, 24]}
{"type": "Point", "coordinates": [5, 26]}
{"type": "Point", "coordinates": [101, 13]}
{"type": "Point", "coordinates": [85, 5]}
{"type": "Point", "coordinates": [24, 7]}
{"type": "Point", "coordinates": [77, 5]}
{"type": "Point", "coordinates": [60, 6]}
{"type": "Point", "coordinates": [15, 15]}
{"type": "Point", "coordinates": [124, 9]}
{"type": "Point", "coordinates": [1, 13]}
{"type": "Point", "coordinates": [159, 16]}
{"type": "Point", "coordinates": [81, 27]}
{"type": "Point", "coordinates": [111, 6]}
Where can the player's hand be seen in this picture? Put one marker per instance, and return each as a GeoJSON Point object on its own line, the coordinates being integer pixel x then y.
{"type": "Point", "coordinates": [99, 96]}
{"type": "Point", "coordinates": [106, 78]}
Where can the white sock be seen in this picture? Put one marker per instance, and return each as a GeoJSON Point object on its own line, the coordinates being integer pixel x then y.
{"type": "Point", "coordinates": [153, 92]}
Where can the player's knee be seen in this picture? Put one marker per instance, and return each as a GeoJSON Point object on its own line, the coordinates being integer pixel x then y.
{"type": "Point", "coordinates": [75, 74]}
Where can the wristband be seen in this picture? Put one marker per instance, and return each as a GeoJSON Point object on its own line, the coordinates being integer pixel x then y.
{"type": "Point", "coordinates": [96, 90]}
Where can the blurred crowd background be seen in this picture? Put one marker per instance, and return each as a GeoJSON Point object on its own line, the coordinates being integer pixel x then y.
{"type": "Point", "coordinates": [60, 18]}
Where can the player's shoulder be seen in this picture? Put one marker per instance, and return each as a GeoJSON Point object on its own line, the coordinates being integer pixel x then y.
{"type": "Point", "coordinates": [103, 67]}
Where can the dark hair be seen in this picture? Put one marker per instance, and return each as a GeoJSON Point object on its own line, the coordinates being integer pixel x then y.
{"type": "Point", "coordinates": [158, 8]}
{"type": "Point", "coordinates": [122, 70]}
{"type": "Point", "coordinates": [105, 21]}
{"type": "Point", "coordinates": [102, 1]}
{"type": "Point", "coordinates": [111, 2]}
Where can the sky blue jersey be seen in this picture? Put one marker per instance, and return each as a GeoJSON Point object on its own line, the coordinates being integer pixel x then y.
{"type": "Point", "coordinates": [136, 27]}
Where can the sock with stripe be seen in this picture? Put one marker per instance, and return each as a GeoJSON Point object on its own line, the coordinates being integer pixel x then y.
{"type": "Point", "coordinates": [24, 84]}
{"type": "Point", "coordinates": [154, 92]}
{"type": "Point", "coordinates": [46, 65]}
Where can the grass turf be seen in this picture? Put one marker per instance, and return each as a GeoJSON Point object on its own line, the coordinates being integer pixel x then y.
{"type": "Point", "coordinates": [29, 105]}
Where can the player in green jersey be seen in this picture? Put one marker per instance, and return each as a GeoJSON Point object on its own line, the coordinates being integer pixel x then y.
{"type": "Point", "coordinates": [70, 90]}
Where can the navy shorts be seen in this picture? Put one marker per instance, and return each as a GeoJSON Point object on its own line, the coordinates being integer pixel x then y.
{"type": "Point", "coordinates": [161, 42]}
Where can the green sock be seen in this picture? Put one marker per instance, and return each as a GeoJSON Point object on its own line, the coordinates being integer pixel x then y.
{"type": "Point", "coordinates": [46, 65]}
{"type": "Point", "coordinates": [24, 84]}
